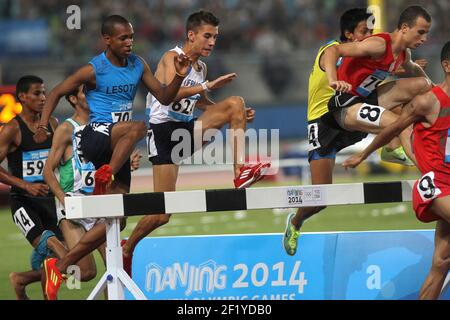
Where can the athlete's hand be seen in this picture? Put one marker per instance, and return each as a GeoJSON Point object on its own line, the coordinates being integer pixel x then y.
{"type": "Point", "coordinates": [135, 160]}
{"type": "Point", "coordinates": [422, 63]}
{"type": "Point", "coordinates": [341, 86]}
{"type": "Point", "coordinates": [221, 81]}
{"type": "Point", "coordinates": [36, 189]}
{"type": "Point", "coordinates": [41, 134]}
{"type": "Point", "coordinates": [182, 64]}
{"type": "Point", "coordinates": [249, 114]}
{"type": "Point", "coordinates": [353, 161]}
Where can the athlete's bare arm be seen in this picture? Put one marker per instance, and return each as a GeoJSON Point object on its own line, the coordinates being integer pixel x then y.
{"type": "Point", "coordinates": [165, 73]}
{"type": "Point", "coordinates": [62, 139]}
{"type": "Point", "coordinates": [374, 47]}
{"type": "Point", "coordinates": [420, 109]}
{"type": "Point", "coordinates": [164, 91]}
{"type": "Point", "coordinates": [9, 141]}
{"type": "Point", "coordinates": [413, 69]}
{"type": "Point", "coordinates": [84, 75]}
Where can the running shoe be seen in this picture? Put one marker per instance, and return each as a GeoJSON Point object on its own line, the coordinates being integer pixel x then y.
{"type": "Point", "coordinates": [290, 238]}
{"type": "Point", "coordinates": [103, 179]}
{"type": "Point", "coordinates": [251, 174]}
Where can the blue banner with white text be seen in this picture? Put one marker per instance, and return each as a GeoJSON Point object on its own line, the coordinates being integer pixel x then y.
{"type": "Point", "coordinates": [348, 265]}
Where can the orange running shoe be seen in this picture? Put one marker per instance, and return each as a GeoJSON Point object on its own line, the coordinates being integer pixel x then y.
{"type": "Point", "coordinates": [127, 261]}
{"type": "Point", "coordinates": [251, 174]}
{"type": "Point", "coordinates": [103, 179]}
{"type": "Point", "coordinates": [53, 279]}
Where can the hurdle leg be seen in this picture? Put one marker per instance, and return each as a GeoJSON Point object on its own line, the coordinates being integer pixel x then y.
{"type": "Point", "coordinates": [100, 286]}
{"type": "Point", "coordinates": [115, 277]}
{"type": "Point", "coordinates": [130, 285]}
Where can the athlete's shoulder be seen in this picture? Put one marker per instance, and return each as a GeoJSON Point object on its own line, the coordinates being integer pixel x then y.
{"type": "Point", "coordinates": [12, 127]}
{"type": "Point", "coordinates": [424, 103]}
{"type": "Point", "coordinates": [98, 58]}
{"type": "Point", "coordinates": [64, 130]}
{"type": "Point", "coordinates": [135, 59]}
{"type": "Point", "coordinates": [170, 54]}
{"type": "Point", "coordinates": [327, 45]}
{"type": "Point", "coordinates": [378, 38]}
{"type": "Point", "coordinates": [99, 64]}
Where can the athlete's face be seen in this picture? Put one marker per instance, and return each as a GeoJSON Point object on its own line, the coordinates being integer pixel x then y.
{"type": "Point", "coordinates": [417, 34]}
{"type": "Point", "coordinates": [204, 39]}
{"type": "Point", "coordinates": [80, 99]}
{"type": "Point", "coordinates": [361, 31]}
{"type": "Point", "coordinates": [34, 99]}
{"type": "Point", "coordinates": [121, 40]}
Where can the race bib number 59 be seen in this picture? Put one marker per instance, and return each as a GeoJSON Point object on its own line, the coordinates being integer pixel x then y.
{"type": "Point", "coordinates": [33, 163]}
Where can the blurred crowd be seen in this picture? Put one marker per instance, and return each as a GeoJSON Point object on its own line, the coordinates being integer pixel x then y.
{"type": "Point", "coordinates": [255, 26]}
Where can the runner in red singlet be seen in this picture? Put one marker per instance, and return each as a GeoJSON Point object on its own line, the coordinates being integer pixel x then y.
{"type": "Point", "coordinates": [362, 102]}
{"type": "Point", "coordinates": [430, 114]}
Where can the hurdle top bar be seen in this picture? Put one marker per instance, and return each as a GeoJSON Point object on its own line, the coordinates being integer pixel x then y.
{"type": "Point", "coordinates": [124, 205]}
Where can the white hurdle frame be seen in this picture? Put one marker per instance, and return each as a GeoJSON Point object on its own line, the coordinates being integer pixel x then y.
{"type": "Point", "coordinates": [115, 206]}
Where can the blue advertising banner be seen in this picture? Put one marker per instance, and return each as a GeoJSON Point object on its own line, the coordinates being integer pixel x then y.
{"type": "Point", "coordinates": [361, 265]}
{"type": "Point", "coordinates": [24, 38]}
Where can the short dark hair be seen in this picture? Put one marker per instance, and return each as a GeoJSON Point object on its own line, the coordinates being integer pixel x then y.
{"type": "Point", "coordinates": [24, 84]}
{"type": "Point", "coordinates": [351, 18]}
{"type": "Point", "coordinates": [110, 21]}
{"type": "Point", "coordinates": [410, 15]}
{"type": "Point", "coordinates": [196, 19]}
{"type": "Point", "coordinates": [445, 53]}
{"type": "Point", "coordinates": [72, 93]}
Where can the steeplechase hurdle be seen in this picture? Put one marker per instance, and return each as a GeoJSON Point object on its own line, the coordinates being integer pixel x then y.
{"type": "Point", "coordinates": [116, 206]}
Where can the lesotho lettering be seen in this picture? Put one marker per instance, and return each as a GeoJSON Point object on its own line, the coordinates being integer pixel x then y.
{"type": "Point", "coordinates": [209, 277]}
{"type": "Point", "coordinates": [123, 88]}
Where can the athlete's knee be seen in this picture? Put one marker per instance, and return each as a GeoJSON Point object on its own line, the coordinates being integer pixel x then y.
{"type": "Point", "coordinates": [420, 85]}
{"type": "Point", "coordinates": [441, 263]}
{"type": "Point", "coordinates": [236, 106]}
{"type": "Point", "coordinates": [87, 274]}
{"type": "Point", "coordinates": [139, 129]}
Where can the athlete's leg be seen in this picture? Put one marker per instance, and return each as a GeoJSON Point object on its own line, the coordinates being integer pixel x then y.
{"type": "Point", "coordinates": [232, 111]}
{"type": "Point", "coordinates": [367, 118]}
{"type": "Point", "coordinates": [441, 207]}
{"type": "Point", "coordinates": [401, 91]}
{"type": "Point", "coordinates": [434, 281]}
{"type": "Point", "coordinates": [321, 173]}
{"type": "Point", "coordinates": [164, 179]}
{"type": "Point", "coordinates": [88, 243]}
{"type": "Point", "coordinates": [124, 136]}
{"type": "Point", "coordinates": [53, 244]}
{"type": "Point", "coordinates": [72, 235]}
{"type": "Point", "coordinates": [19, 280]}
{"type": "Point", "coordinates": [373, 119]}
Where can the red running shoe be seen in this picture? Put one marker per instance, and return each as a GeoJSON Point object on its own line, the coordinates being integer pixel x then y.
{"type": "Point", "coordinates": [53, 279]}
{"type": "Point", "coordinates": [126, 260]}
{"type": "Point", "coordinates": [103, 179]}
{"type": "Point", "coordinates": [251, 174]}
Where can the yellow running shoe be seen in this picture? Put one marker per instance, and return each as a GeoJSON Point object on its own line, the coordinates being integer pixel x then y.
{"type": "Point", "coordinates": [396, 156]}
{"type": "Point", "coordinates": [290, 237]}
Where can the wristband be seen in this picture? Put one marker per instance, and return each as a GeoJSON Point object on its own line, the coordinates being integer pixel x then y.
{"type": "Point", "coordinates": [43, 127]}
{"type": "Point", "coordinates": [204, 86]}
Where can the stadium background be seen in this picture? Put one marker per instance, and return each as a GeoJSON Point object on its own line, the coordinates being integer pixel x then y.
{"type": "Point", "coordinates": [271, 44]}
